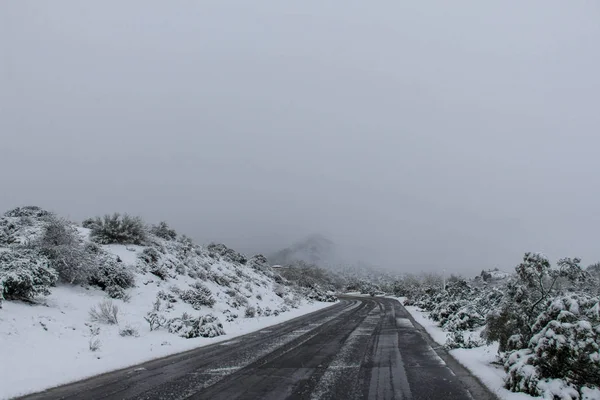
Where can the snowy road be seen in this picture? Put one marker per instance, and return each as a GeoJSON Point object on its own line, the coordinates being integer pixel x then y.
{"type": "Point", "coordinates": [362, 348]}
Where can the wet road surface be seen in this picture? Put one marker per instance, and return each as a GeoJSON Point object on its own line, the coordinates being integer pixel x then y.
{"type": "Point", "coordinates": [361, 348]}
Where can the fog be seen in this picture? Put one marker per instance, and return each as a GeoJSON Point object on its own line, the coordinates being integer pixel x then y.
{"type": "Point", "coordinates": [416, 135]}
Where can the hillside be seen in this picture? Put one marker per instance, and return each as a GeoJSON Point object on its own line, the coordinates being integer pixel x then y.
{"type": "Point", "coordinates": [75, 303]}
{"type": "Point", "coordinates": [314, 249]}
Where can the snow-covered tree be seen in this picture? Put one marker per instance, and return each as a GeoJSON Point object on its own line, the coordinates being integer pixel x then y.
{"type": "Point", "coordinates": [25, 274]}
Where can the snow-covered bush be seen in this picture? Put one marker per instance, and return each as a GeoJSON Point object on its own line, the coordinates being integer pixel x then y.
{"type": "Point", "coordinates": [198, 296]}
{"type": "Point", "coordinates": [105, 312]}
{"type": "Point", "coordinates": [163, 231]}
{"type": "Point", "coordinates": [220, 250]}
{"type": "Point", "coordinates": [237, 301]}
{"type": "Point", "coordinates": [203, 326]}
{"type": "Point", "coordinates": [167, 297]}
{"type": "Point", "coordinates": [258, 262]}
{"type": "Point", "coordinates": [25, 274]}
{"type": "Point", "coordinates": [526, 297]}
{"type": "Point", "coordinates": [110, 275]}
{"type": "Point", "coordinates": [456, 340]}
{"type": "Point", "coordinates": [68, 255]}
{"type": "Point", "coordinates": [152, 260]}
{"type": "Point", "coordinates": [27, 211]}
{"type": "Point", "coordinates": [565, 345]}
{"type": "Point", "coordinates": [129, 331]}
{"type": "Point", "coordinates": [155, 317]}
{"type": "Point", "coordinates": [119, 229]}
{"type": "Point", "coordinates": [250, 312]}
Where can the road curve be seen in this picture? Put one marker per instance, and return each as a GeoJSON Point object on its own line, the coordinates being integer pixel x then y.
{"type": "Point", "coordinates": [360, 348]}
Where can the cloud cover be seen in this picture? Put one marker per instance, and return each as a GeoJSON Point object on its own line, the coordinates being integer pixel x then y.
{"type": "Point", "coordinates": [417, 135]}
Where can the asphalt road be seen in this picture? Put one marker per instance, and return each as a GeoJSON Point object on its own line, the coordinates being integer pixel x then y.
{"type": "Point", "coordinates": [361, 348]}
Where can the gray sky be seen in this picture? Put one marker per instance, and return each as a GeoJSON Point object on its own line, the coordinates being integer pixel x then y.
{"type": "Point", "coordinates": [419, 135]}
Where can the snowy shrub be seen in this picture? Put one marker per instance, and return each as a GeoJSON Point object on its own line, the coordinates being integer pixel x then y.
{"type": "Point", "coordinates": [180, 269]}
{"type": "Point", "coordinates": [25, 274]}
{"type": "Point", "coordinates": [466, 318]}
{"type": "Point", "coordinates": [163, 231]}
{"type": "Point", "coordinates": [89, 223]}
{"type": "Point", "coordinates": [230, 317]}
{"type": "Point", "coordinates": [152, 261]}
{"type": "Point", "coordinates": [220, 250]}
{"type": "Point", "coordinates": [219, 279]}
{"type": "Point", "coordinates": [521, 376]}
{"type": "Point", "coordinates": [129, 331]}
{"type": "Point", "coordinates": [292, 302]}
{"type": "Point", "coordinates": [456, 340]}
{"type": "Point", "coordinates": [28, 211]}
{"type": "Point", "coordinates": [94, 343]}
{"type": "Point", "coordinates": [527, 295]}
{"type": "Point", "coordinates": [105, 312]}
{"type": "Point", "coordinates": [563, 351]}
{"type": "Point", "coordinates": [111, 276]}
{"type": "Point", "coordinates": [320, 295]}
{"type": "Point", "coordinates": [280, 290]}
{"type": "Point", "coordinates": [199, 296]}
{"type": "Point", "coordinates": [63, 246]}
{"type": "Point", "coordinates": [250, 312]}
{"type": "Point", "coordinates": [258, 297]}
{"type": "Point", "coordinates": [267, 312]}
{"type": "Point", "coordinates": [119, 229]}
{"type": "Point", "coordinates": [237, 301]}
{"type": "Point", "coordinates": [168, 297]}
{"type": "Point", "coordinates": [203, 326]}
{"type": "Point", "coordinates": [155, 318]}
{"type": "Point", "coordinates": [258, 262]}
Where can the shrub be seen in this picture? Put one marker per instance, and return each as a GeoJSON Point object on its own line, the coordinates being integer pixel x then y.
{"type": "Point", "coordinates": [155, 317]}
{"type": "Point", "coordinates": [25, 274]}
{"type": "Point", "coordinates": [237, 301]}
{"type": "Point", "coordinates": [60, 242]}
{"type": "Point", "coordinates": [216, 250]}
{"type": "Point", "coordinates": [152, 261]}
{"type": "Point", "coordinates": [258, 262]}
{"type": "Point", "coordinates": [118, 229]}
{"type": "Point", "coordinates": [129, 331]}
{"type": "Point", "coordinates": [250, 312]}
{"type": "Point", "coordinates": [168, 297]}
{"type": "Point", "coordinates": [456, 340]}
{"type": "Point", "coordinates": [291, 302]}
{"type": "Point", "coordinates": [112, 277]}
{"type": "Point", "coordinates": [94, 344]}
{"type": "Point", "coordinates": [27, 211]}
{"type": "Point", "coordinates": [527, 295]}
{"type": "Point", "coordinates": [204, 326]}
{"type": "Point", "coordinates": [163, 231]}
{"type": "Point", "coordinates": [199, 296]}
{"type": "Point", "coordinates": [105, 312]}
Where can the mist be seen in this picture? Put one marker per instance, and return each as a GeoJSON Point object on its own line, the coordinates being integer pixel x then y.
{"type": "Point", "coordinates": [416, 136]}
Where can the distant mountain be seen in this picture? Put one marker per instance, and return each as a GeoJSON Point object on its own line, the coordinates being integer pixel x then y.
{"type": "Point", "coordinates": [315, 249]}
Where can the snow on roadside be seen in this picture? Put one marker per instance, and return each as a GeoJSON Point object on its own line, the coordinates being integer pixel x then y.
{"type": "Point", "coordinates": [478, 360]}
{"type": "Point", "coordinates": [49, 345]}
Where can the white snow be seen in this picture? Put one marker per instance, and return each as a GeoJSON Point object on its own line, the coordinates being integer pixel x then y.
{"type": "Point", "coordinates": [48, 344]}
{"type": "Point", "coordinates": [478, 360]}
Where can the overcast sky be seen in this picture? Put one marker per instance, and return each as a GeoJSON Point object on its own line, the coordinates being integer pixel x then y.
{"type": "Point", "coordinates": [420, 135]}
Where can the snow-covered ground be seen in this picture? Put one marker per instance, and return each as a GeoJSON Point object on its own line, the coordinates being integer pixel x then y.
{"type": "Point", "coordinates": [480, 360]}
{"type": "Point", "coordinates": [49, 345]}
{"type": "Point", "coordinates": [211, 294]}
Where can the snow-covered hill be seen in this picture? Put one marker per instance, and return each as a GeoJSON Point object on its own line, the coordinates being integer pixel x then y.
{"type": "Point", "coordinates": [165, 294]}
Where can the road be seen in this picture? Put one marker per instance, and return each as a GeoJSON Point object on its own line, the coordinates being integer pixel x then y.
{"type": "Point", "coordinates": [361, 348]}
